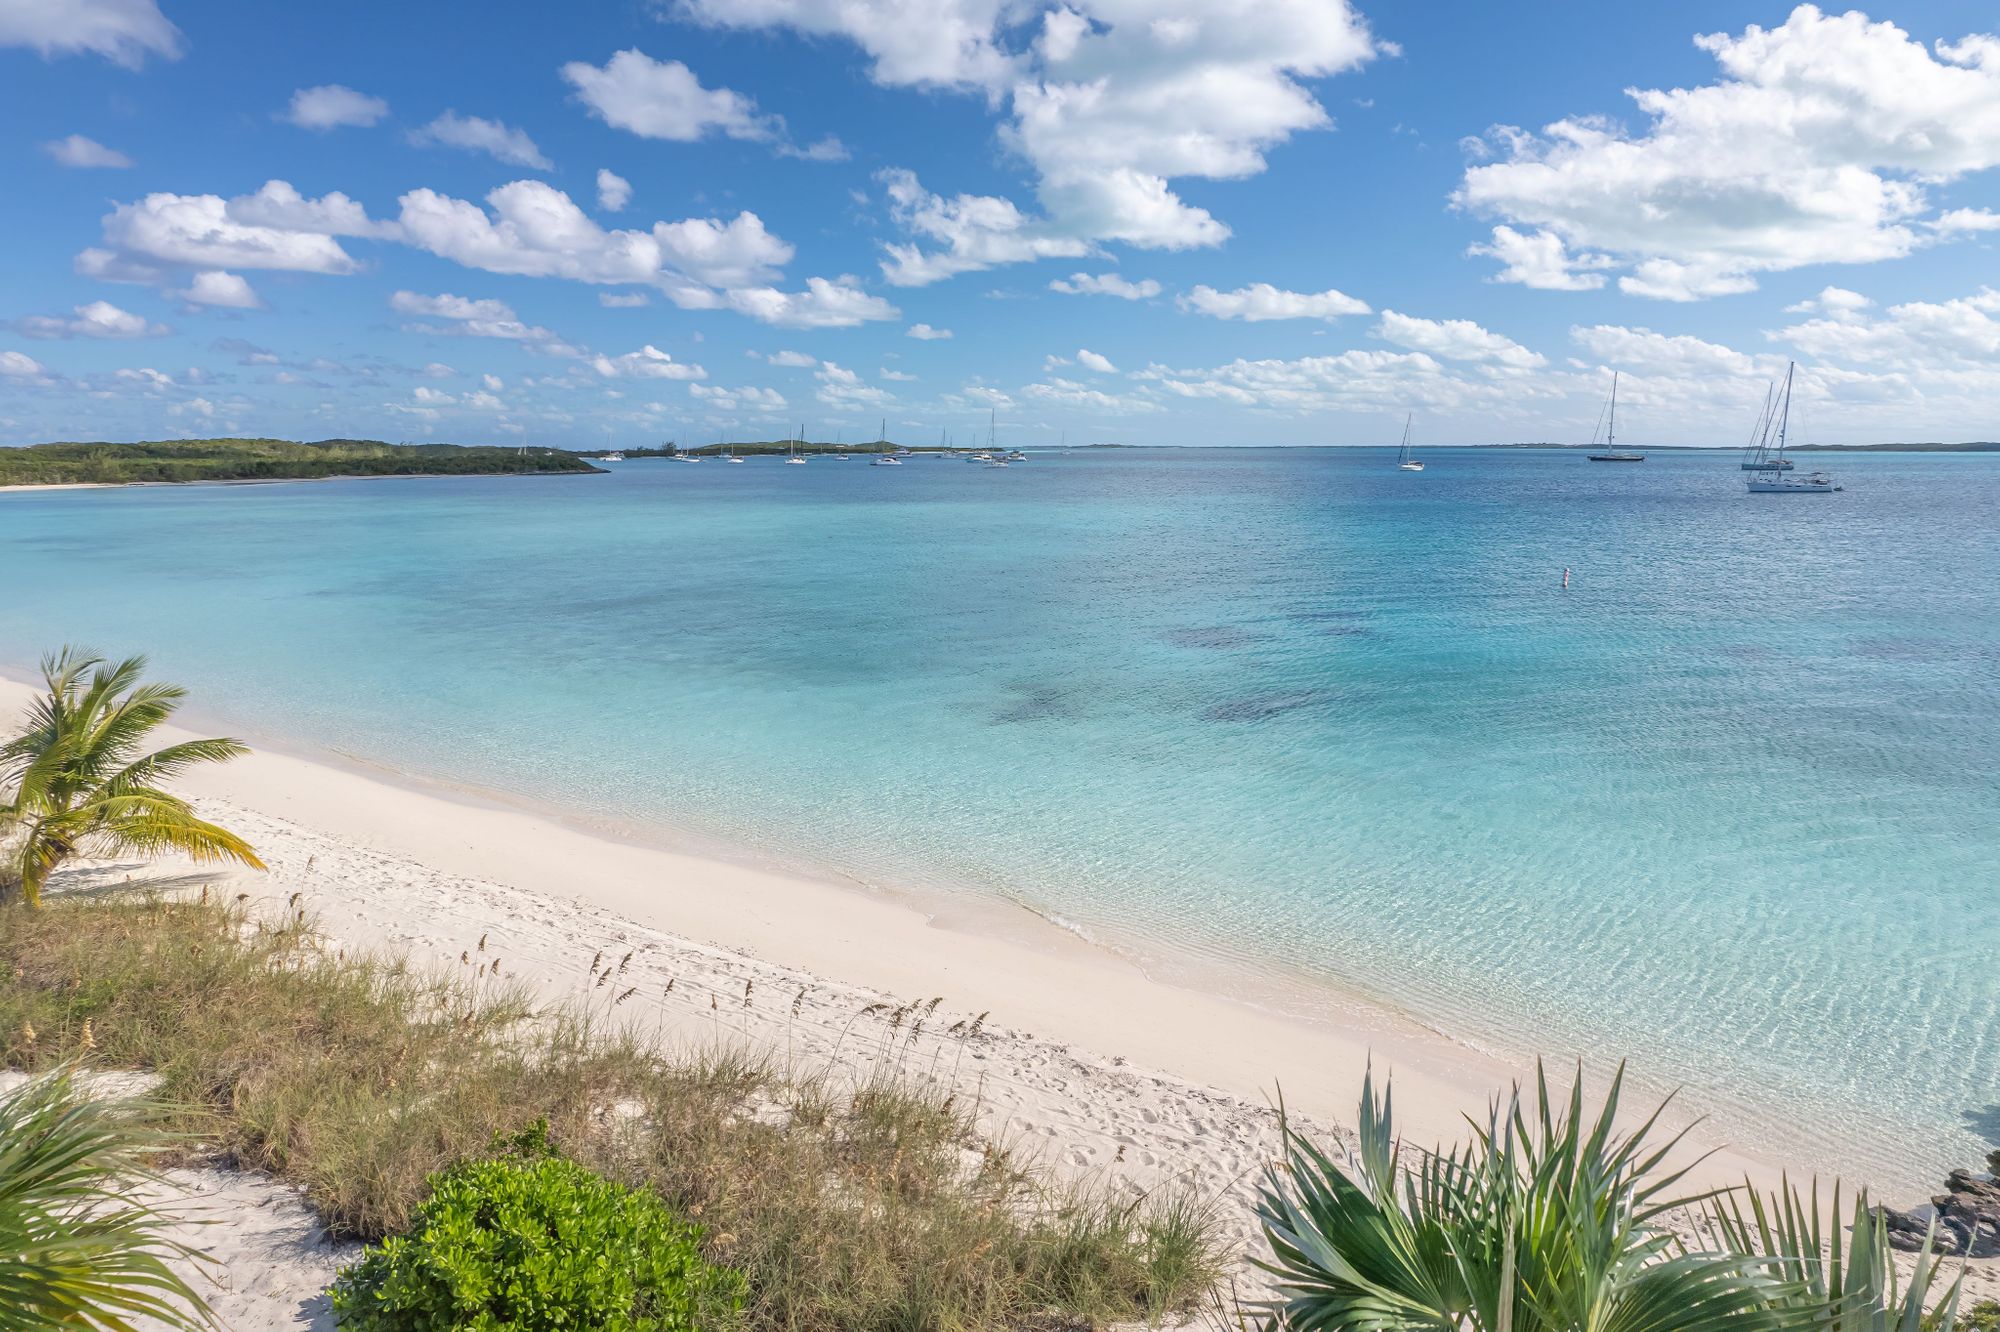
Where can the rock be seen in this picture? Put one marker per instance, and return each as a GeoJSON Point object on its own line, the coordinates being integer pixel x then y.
{"type": "Point", "coordinates": [1966, 1217]}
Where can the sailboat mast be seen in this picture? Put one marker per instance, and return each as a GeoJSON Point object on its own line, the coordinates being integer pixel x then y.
{"type": "Point", "coordinates": [1785, 415]}
{"type": "Point", "coordinates": [1611, 422]}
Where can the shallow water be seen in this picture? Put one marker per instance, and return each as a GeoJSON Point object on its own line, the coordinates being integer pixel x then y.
{"type": "Point", "coordinates": [1728, 805]}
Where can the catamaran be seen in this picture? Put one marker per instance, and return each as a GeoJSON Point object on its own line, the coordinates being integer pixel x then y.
{"type": "Point", "coordinates": [1404, 460]}
{"type": "Point", "coordinates": [1611, 452]}
{"type": "Point", "coordinates": [1776, 482]}
{"type": "Point", "coordinates": [1758, 457]}
{"type": "Point", "coordinates": [887, 457]}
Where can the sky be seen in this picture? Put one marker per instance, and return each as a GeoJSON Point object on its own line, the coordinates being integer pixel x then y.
{"type": "Point", "coordinates": [1233, 222]}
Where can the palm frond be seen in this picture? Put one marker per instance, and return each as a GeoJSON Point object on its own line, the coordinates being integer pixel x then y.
{"type": "Point", "coordinates": [77, 1247]}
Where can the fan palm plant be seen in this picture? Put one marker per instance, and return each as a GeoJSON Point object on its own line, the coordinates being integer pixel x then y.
{"type": "Point", "coordinates": [1547, 1220]}
{"type": "Point", "coordinates": [77, 1248]}
{"type": "Point", "coordinates": [77, 781]}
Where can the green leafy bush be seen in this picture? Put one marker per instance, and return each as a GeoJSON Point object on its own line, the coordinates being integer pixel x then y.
{"type": "Point", "coordinates": [531, 1242]}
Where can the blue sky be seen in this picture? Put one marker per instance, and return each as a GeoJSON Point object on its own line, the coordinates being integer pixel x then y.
{"type": "Point", "coordinates": [1294, 220]}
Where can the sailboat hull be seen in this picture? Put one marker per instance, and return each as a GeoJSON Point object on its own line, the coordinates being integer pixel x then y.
{"type": "Point", "coordinates": [1411, 466]}
{"type": "Point", "coordinates": [1785, 485]}
{"type": "Point", "coordinates": [1618, 457]}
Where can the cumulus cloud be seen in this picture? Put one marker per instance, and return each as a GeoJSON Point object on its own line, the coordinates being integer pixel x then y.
{"type": "Point", "coordinates": [1260, 301]}
{"type": "Point", "coordinates": [835, 303]}
{"type": "Point", "coordinates": [21, 366]}
{"type": "Point", "coordinates": [1456, 340]}
{"type": "Point", "coordinates": [662, 99]}
{"type": "Point", "coordinates": [99, 319]}
{"type": "Point", "coordinates": [1105, 284]}
{"type": "Point", "coordinates": [975, 231]}
{"type": "Point", "coordinates": [77, 151]}
{"type": "Point", "coordinates": [649, 362]}
{"type": "Point", "coordinates": [124, 32]}
{"type": "Point", "coordinates": [925, 333]}
{"type": "Point", "coordinates": [1090, 360]}
{"type": "Point", "coordinates": [1067, 393]}
{"type": "Point", "coordinates": [613, 190]}
{"type": "Point", "coordinates": [223, 290]}
{"type": "Point", "coordinates": [1107, 101]}
{"type": "Point", "coordinates": [276, 228]}
{"type": "Point", "coordinates": [1822, 141]}
{"type": "Point", "coordinates": [332, 106]}
{"type": "Point", "coordinates": [476, 134]}
{"type": "Point", "coordinates": [477, 318]}
{"type": "Point", "coordinates": [729, 399]}
{"type": "Point", "coordinates": [1917, 337]}
{"type": "Point", "coordinates": [1540, 259]}
{"type": "Point", "coordinates": [795, 359]}
{"type": "Point", "coordinates": [623, 300]}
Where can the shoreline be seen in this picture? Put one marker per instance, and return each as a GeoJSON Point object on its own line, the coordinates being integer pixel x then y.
{"type": "Point", "coordinates": [1043, 981]}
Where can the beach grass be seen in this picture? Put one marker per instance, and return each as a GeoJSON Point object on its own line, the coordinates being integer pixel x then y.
{"type": "Point", "coordinates": [849, 1198]}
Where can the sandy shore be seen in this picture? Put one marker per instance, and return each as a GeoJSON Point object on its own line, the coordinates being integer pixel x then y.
{"type": "Point", "coordinates": [1106, 1069]}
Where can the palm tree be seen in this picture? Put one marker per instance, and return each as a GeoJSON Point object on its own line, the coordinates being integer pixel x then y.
{"type": "Point", "coordinates": [78, 1249]}
{"type": "Point", "coordinates": [81, 785]}
{"type": "Point", "coordinates": [1550, 1220]}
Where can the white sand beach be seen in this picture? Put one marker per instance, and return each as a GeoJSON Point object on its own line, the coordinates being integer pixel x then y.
{"type": "Point", "coordinates": [1103, 1069]}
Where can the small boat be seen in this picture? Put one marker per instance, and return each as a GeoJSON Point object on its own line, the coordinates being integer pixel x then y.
{"type": "Point", "coordinates": [792, 445]}
{"type": "Point", "coordinates": [1775, 482]}
{"type": "Point", "coordinates": [728, 453]}
{"type": "Point", "coordinates": [1017, 456]}
{"type": "Point", "coordinates": [887, 457]}
{"type": "Point", "coordinates": [1404, 460]}
{"type": "Point", "coordinates": [611, 457]}
{"type": "Point", "coordinates": [1758, 458]}
{"type": "Point", "coordinates": [1612, 453]}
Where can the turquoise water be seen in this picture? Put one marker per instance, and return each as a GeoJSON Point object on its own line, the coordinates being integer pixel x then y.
{"type": "Point", "coordinates": [1729, 804]}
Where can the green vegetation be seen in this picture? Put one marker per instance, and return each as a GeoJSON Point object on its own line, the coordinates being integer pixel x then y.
{"type": "Point", "coordinates": [76, 781]}
{"type": "Point", "coordinates": [268, 460]}
{"type": "Point", "coordinates": [844, 1206]}
{"type": "Point", "coordinates": [533, 1243]}
{"type": "Point", "coordinates": [1552, 1220]}
{"type": "Point", "coordinates": [77, 1249]}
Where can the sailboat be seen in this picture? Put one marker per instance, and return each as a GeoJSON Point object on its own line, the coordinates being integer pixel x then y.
{"type": "Point", "coordinates": [1611, 452]}
{"type": "Point", "coordinates": [992, 459]}
{"type": "Point", "coordinates": [887, 457]}
{"type": "Point", "coordinates": [1776, 482]}
{"type": "Point", "coordinates": [1758, 458]}
{"type": "Point", "coordinates": [728, 451]}
{"type": "Point", "coordinates": [792, 445]}
{"type": "Point", "coordinates": [1404, 460]}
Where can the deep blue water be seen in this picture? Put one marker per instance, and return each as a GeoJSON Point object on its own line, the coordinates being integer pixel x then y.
{"type": "Point", "coordinates": [1730, 804]}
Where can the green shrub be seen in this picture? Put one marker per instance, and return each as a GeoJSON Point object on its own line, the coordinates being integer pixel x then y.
{"type": "Point", "coordinates": [534, 1242]}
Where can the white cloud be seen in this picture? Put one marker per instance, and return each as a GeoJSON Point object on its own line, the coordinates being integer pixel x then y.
{"type": "Point", "coordinates": [796, 360]}
{"type": "Point", "coordinates": [483, 318]}
{"type": "Point", "coordinates": [276, 228]}
{"type": "Point", "coordinates": [1962, 220]}
{"type": "Point", "coordinates": [976, 231]}
{"type": "Point", "coordinates": [214, 287]}
{"type": "Point", "coordinates": [662, 99]}
{"type": "Point", "coordinates": [493, 382]}
{"type": "Point", "coordinates": [1108, 101]}
{"type": "Point", "coordinates": [1105, 284]}
{"type": "Point", "coordinates": [1261, 301]}
{"type": "Point", "coordinates": [613, 190]}
{"type": "Point", "coordinates": [649, 362]}
{"type": "Point", "coordinates": [1648, 352]}
{"type": "Point", "coordinates": [77, 151]}
{"type": "Point", "coordinates": [841, 387]}
{"type": "Point", "coordinates": [431, 397]}
{"type": "Point", "coordinates": [1067, 393]}
{"type": "Point", "coordinates": [20, 365]}
{"type": "Point", "coordinates": [925, 333]}
{"type": "Point", "coordinates": [124, 32]}
{"type": "Point", "coordinates": [536, 230]}
{"type": "Point", "coordinates": [1540, 259]}
{"type": "Point", "coordinates": [895, 376]}
{"type": "Point", "coordinates": [1822, 142]}
{"type": "Point", "coordinates": [624, 300]}
{"type": "Point", "coordinates": [1456, 340]}
{"type": "Point", "coordinates": [99, 319]}
{"type": "Point", "coordinates": [1090, 360]}
{"type": "Point", "coordinates": [729, 399]}
{"type": "Point", "coordinates": [1832, 300]}
{"type": "Point", "coordinates": [479, 135]}
{"type": "Point", "coordinates": [1919, 338]}
{"type": "Point", "coordinates": [839, 303]}
{"type": "Point", "coordinates": [331, 106]}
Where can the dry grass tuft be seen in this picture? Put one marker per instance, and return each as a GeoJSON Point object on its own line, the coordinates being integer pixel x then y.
{"type": "Point", "coordinates": [871, 1205]}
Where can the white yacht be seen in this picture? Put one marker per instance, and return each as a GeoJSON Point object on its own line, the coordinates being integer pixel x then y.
{"type": "Point", "coordinates": [611, 457]}
{"type": "Point", "coordinates": [792, 458]}
{"type": "Point", "coordinates": [1404, 460]}
{"type": "Point", "coordinates": [1775, 482]}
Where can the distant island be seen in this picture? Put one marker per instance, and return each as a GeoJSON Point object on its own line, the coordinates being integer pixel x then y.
{"type": "Point", "coordinates": [183, 460]}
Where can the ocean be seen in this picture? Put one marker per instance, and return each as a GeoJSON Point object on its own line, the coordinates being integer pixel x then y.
{"type": "Point", "coordinates": [1288, 721]}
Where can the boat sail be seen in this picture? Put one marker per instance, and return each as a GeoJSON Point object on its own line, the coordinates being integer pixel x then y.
{"type": "Point", "coordinates": [1404, 460]}
{"type": "Point", "coordinates": [1611, 452]}
{"type": "Point", "coordinates": [1758, 458]}
{"type": "Point", "coordinates": [1775, 482]}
